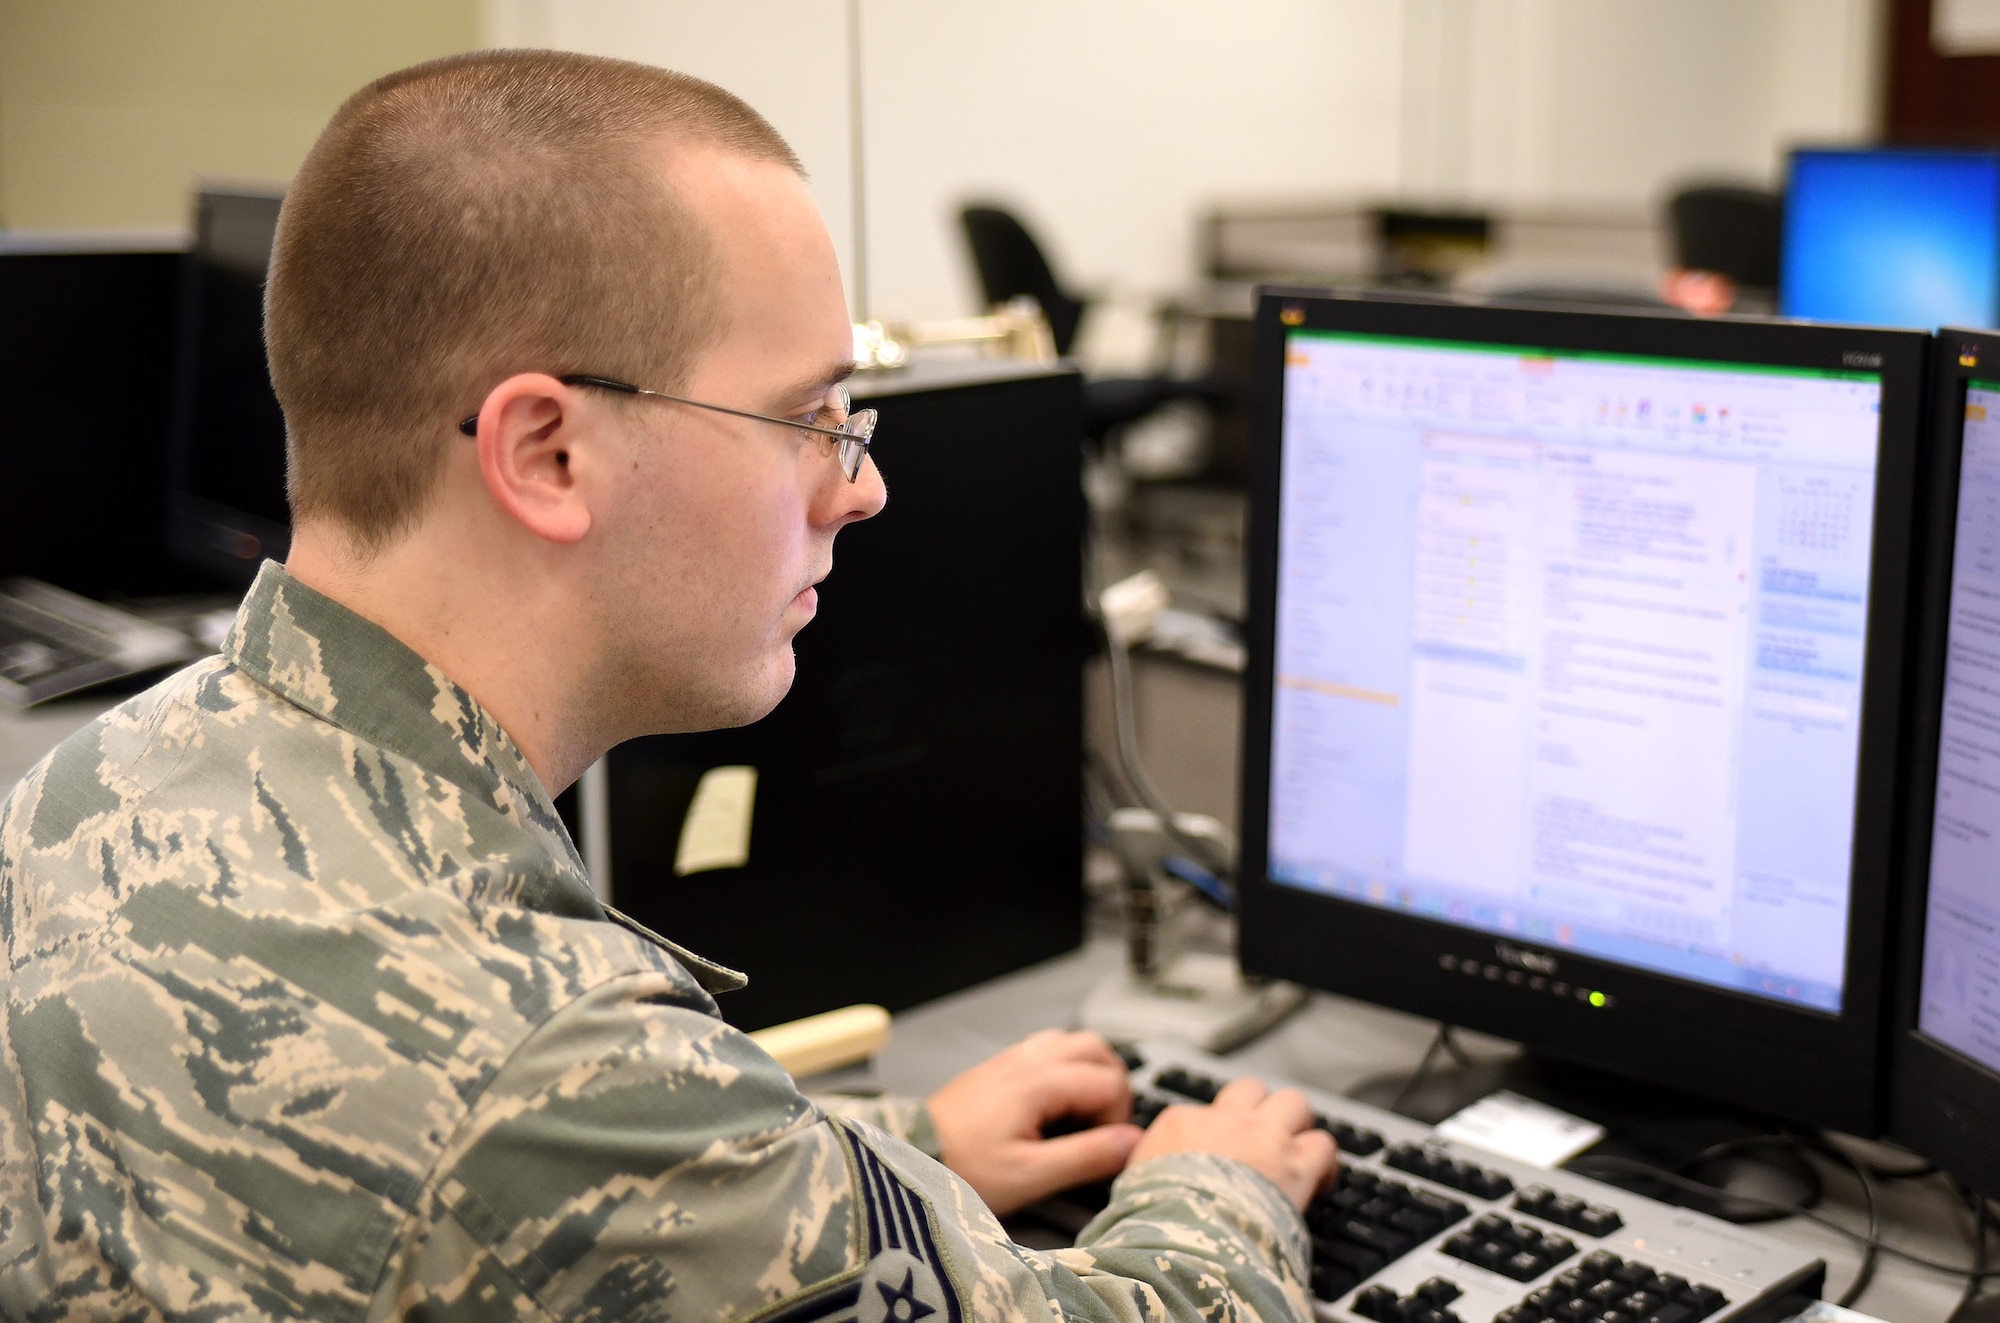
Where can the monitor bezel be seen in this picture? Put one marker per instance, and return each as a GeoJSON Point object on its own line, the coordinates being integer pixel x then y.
{"type": "Point", "coordinates": [204, 534]}
{"type": "Point", "coordinates": [1941, 1102]}
{"type": "Point", "coordinates": [1788, 1061]}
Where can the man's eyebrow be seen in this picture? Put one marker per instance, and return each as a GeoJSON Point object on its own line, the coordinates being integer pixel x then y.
{"type": "Point", "coordinates": [821, 382]}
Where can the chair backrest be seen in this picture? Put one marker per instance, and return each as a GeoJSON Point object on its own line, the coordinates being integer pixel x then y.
{"type": "Point", "coordinates": [1010, 263]}
{"type": "Point", "coordinates": [1727, 229]}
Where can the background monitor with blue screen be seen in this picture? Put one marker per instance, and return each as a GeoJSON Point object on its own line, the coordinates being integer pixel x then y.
{"type": "Point", "coordinates": [1576, 646]}
{"type": "Point", "coordinates": [1945, 1085]}
{"type": "Point", "coordinates": [1892, 238]}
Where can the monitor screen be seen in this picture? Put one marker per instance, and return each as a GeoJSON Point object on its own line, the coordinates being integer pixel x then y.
{"type": "Point", "coordinates": [1892, 238]}
{"type": "Point", "coordinates": [1575, 627]}
{"type": "Point", "coordinates": [1602, 687]}
{"type": "Point", "coordinates": [226, 508]}
{"type": "Point", "coordinates": [1960, 1004]}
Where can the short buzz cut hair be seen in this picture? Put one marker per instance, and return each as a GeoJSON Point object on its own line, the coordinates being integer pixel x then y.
{"type": "Point", "coordinates": [467, 219]}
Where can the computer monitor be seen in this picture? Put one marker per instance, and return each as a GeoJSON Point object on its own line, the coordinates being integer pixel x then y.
{"type": "Point", "coordinates": [86, 368]}
{"type": "Point", "coordinates": [1892, 237]}
{"type": "Point", "coordinates": [1575, 668]}
{"type": "Point", "coordinates": [226, 509]}
{"type": "Point", "coordinates": [1945, 1049]}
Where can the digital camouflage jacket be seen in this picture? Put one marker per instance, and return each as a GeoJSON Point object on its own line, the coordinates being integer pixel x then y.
{"type": "Point", "coordinates": [310, 1012]}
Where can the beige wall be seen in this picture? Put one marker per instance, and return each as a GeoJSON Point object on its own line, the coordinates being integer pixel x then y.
{"type": "Point", "coordinates": [110, 110]}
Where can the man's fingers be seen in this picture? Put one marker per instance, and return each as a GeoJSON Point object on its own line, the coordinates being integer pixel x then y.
{"type": "Point", "coordinates": [1088, 1155]}
{"type": "Point", "coordinates": [1319, 1156]}
{"type": "Point", "coordinates": [1083, 1088]}
{"type": "Point", "coordinates": [1069, 1045]}
{"type": "Point", "coordinates": [1289, 1108]}
{"type": "Point", "coordinates": [1242, 1094]}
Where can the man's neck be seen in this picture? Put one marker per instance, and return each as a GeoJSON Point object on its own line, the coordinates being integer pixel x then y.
{"type": "Point", "coordinates": [510, 660]}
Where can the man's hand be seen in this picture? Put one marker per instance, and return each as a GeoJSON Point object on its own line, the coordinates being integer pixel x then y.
{"type": "Point", "coordinates": [1273, 1132]}
{"type": "Point", "coordinates": [989, 1120]}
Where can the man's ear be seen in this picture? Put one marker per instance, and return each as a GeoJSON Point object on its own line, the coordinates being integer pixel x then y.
{"type": "Point", "coordinates": [528, 426]}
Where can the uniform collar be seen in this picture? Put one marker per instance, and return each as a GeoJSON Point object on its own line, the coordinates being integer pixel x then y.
{"type": "Point", "coordinates": [347, 670]}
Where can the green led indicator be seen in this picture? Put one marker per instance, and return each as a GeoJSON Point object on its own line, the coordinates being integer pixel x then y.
{"type": "Point", "coordinates": [1598, 999]}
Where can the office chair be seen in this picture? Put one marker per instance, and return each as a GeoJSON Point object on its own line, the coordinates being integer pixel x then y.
{"type": "Point", "coordinates": [1729, 231]}
{"type": "Point", "coordinates": [1010, 263]}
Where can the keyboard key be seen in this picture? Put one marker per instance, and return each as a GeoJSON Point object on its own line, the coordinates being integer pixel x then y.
{"type": "Point", "coordinates": [1383, 1240]}
{"type": "Point", "coordinates": [1672, 1314]}
{"type": "Point", "coordinates": [1704, 1300]}
{"type": "Point", "coordinates": [1598, 1220]}
{"type": "Point", "coordinates": [1524, 1266]}
{"type": "Point", "coordinates": [1330, 1281]}
{"type": "Point", "coordinates": [1188, 1084]}
{"type": "Point", "coordinates": [1420, 1224]}
{"type": "Point", "coordinates": [1356, 1258]}
{"type": "Point", "coordinates": [1380, 1303]}
{"type": "Point", "coordinates": [1601, 1263]}
{"type": "Point", "coordinates": [1451, 1210]}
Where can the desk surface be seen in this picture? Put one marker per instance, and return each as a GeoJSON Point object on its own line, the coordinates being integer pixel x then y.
{"type": "Point", "coordinates": [1334, 1044]}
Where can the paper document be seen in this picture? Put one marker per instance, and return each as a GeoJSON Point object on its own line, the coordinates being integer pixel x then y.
{"type": "Point", "coordinates": [716, 833]}
{"type": "Point", "coordinates": [1520, 1128]}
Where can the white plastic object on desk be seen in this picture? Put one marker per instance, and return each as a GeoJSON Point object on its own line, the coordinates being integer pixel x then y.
{"type": "Point", "coordinates": [827, 1041]}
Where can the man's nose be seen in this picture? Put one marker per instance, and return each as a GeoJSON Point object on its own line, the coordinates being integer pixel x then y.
{"type": "Point", "coordinates": [848, 502]}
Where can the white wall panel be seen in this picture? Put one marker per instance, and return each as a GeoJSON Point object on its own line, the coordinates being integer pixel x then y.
{"type": "Point", "coordinates": [1110, 124]}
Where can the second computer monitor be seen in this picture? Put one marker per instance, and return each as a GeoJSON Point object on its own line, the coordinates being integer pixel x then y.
{"type": "Point", "coordinates": [1945, 1083]}
{"type": "Point", "coordinates": [1892, 237]}
{"type": "Point", "coordinates": [1575, 663]}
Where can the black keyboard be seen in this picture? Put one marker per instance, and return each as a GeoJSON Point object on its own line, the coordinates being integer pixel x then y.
{"type": "Point", "coordinates": [1417, 1230]}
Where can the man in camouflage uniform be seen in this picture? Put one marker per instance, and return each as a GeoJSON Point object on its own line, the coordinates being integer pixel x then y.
{"type": "Point", "coordinates": [310, 1011]}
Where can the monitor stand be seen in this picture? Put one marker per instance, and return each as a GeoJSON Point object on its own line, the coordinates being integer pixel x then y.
{"type": "Point", "coordinates": [1648, 1123]}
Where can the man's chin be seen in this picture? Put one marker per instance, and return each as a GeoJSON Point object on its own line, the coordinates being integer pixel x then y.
{"type": "Point", "coordinates": [758, 698]}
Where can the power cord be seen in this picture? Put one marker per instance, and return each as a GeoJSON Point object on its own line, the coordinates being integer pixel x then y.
{"type": "Point", "coordinates": [1981, 1220]}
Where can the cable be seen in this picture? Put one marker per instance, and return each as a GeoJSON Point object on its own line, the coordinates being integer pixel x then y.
{"type": "Point", "coordinates": [1607, 1162]}
{"type": "Point", "coordinates": [1441, 1041]}
{"type": "Point", "coordinates": [1870, 1256]}
{"type": "Point", "coordinates": [1977, 1278]}
{"type": "Point", "coordinates": [1125, 736]}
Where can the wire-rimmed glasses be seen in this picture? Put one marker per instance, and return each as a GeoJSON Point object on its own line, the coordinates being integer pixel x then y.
{"type": "Point", "coordinates": [849, 434]}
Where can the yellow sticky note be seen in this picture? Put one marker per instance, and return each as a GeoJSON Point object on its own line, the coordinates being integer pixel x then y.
{"type": "Point", "coordinates": [716, 833]}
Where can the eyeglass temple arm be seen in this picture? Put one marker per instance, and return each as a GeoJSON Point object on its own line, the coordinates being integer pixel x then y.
{"type": "Point", "coordinates": [470, 426]}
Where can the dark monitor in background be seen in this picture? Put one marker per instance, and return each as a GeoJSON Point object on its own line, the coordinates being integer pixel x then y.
{"type": "Point", "coordinates": [1892, 237]}
{"type": "Point", "coordinates": [86, 367]}
{"type": "Point", "coordinates": [226, 508]}
{"type": "Point", "coordinates": [1575, 670]}
{"type": "Point", "coordinates": [1945, 1049]}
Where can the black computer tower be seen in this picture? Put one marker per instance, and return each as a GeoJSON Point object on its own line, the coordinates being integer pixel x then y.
{"type": "Point", "coordinates": [917, 826]}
